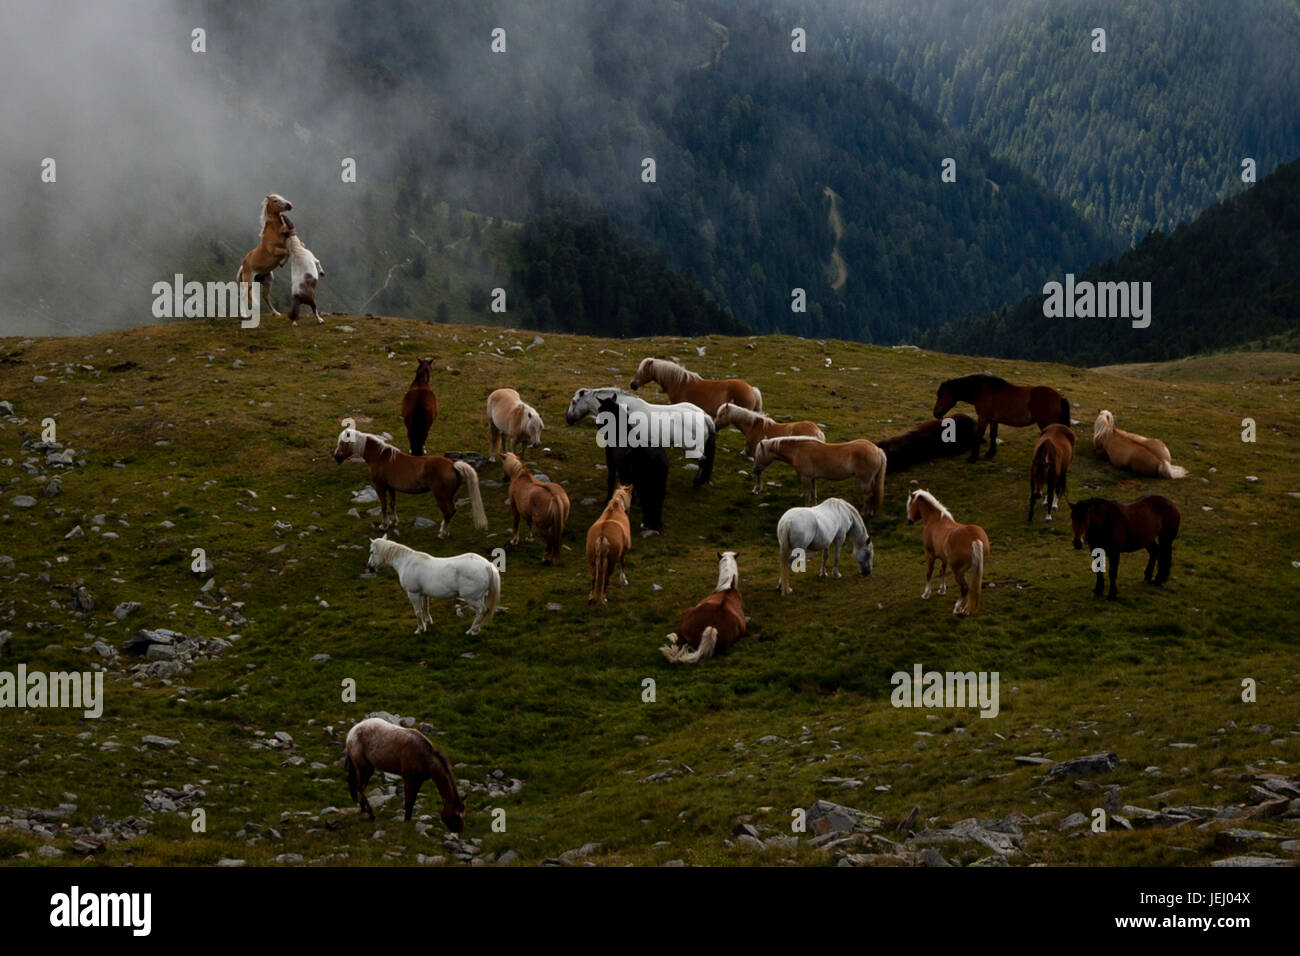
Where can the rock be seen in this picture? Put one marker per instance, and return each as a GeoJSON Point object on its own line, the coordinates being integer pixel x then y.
{"type": "Point", "coordinates": [126, 609]}
{"type": "Point", "coordinates": [1234, 839]}
{"type": "Point", "coordinates": [1073, 822]}
{"type": "Point", "coordinates": [75, 533]}
{"type": "Point", "coordinates": [587, 849]}
{"type": "Point", "coordinates": [510, 856]}
{"type": "Point", "coordinates": [160, 652]}
{"type": "Point", "coordinates": [82, 599]}
{"type": "Point", "coordinates": [751, 843]}
{"type": "Point", "coordinates": [6, 408]}
{"type": "Point", "coordinates": [319, 658]}
{"type": "Point", "coordinates": [1252, 861]}
{"type": "Point", "coordinates": [157, 741]}
{"type": "Point", "coordinates": [1000, 836]}
{"type": "Point", "coordinates": [1089, 766]}
{"type": "Point", "coordinates": [85, 845]}
{"type": "Point", "coordinates": [49, 851]}
{"type": "Point", "coordinates": [289, 858]}
{"type": "Point", "coordinates": [366, 496]}
{"type": "Point", "coordinates": [1033, 761]}
{"type": "Point", "coordinates": [422, 523]}
{"type": "Point", "coordinates": [143, 639]}
{"type": "Point", "coordinates": [741, 829]}
{"type": "Point", "coordinates": [23, 501]}
{"type": "Point", "coordinates": [931, 856]}
{"type": "Point", "coordinates": [825, 817]}
{"type": "Point", "coordinates": [226, 861]}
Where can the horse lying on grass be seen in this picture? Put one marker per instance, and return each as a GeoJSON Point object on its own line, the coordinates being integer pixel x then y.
{"type": "Point", "coordinates": [1146, 456]}
{"type": "Point", "coordinates": [715, 623]}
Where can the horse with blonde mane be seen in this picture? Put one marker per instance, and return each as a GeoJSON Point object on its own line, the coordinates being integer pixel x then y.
{"type": "Point", "coordinates": [823, 528]}
{"type": "Point", "coordinates": [469, 577]}
{"type": "Point", "coordinates": [963, 546]}
{"type": "Point", "coordinates": [375, 744]}
{"type": "Point", "coordinates": [1146, 456]}
{"type": "Point", "coordinates": [272, 249]}
{"type": "Point", "coordinates": [609, 540]}
{"type": "Point", "coordinates": [832, 461]}
{"type": "Point", "coordinates": [715, 623]}
{"type": "Point", "coordinates": [543, 505]}
{"type": "Point", "coordinates": [392, 470]}
{"type": "Point", "coordinates": [512, 422]}
{"type": "Point", "coordinates": [683, 385]}
{"type": "Point", "coordinates": [756, 426]}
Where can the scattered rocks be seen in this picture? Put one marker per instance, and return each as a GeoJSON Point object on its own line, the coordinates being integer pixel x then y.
{"type": "Point", "coordinates": [1089, 766]}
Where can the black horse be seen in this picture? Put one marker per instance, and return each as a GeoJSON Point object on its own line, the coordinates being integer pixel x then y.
{"type": "Point", "coordinates": [1149, 522]}
{"type": "Point", "coordinates": [931, 439]}
{"type": "Point", "coordinates": [645, 469]}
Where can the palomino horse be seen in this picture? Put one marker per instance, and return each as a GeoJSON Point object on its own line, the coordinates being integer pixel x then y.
{"type": "Point", "coordinates": [608, 542]}
{"type": "Point", "coordinates": [1049, 467]}
{"type": "Point", "coordinates": [935, 438]}
{"type": "Point", "coordinates": [375, 744]}
{"type": "Point", "coordinates": [1150, 522]}
{"type": "Point", "coordinates": [272, 249]}
{"type": "Point", "coordinates": [305, 271]}
{"type": "Point", "coordinates": [997, 401]}
{"type": "Point", "coordinates": [756, 426]}
{"type": "Point", "coordinates": [833, 461]}
{"type": "Point", "coordinates": [392, 470]}
{"type": "Point", "coordinates": [542, 504]}
{"type": "Point", "coordinates": [964, 546]}
{"type": "Point", "coordinates": [682, 385]}
{"type": "Point", "coordinates": [715, 623]}
{"type": "Point", "coordinates": [470, 577]}
{"type": "Point", "coordinates": [645, 469]}
{"type": "Point", "coordinates": [419, 407]}
{"type": "Point", "coordinates": [512, 422]}
{"type": "Point", "coordinates": [821, 529]}
{"type": "Point", "coordinates": [1146, 456]}
{"type": "Point", "coordinates": [642, 424]}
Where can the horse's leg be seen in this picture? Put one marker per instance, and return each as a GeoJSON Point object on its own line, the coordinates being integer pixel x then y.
{"type": "Point", "coordinates": [514, 536]}
{"type": "Point", "coordinates": [993, 440]}
{"type": "Point", "coordinates": [943, 575]}
{"type": "Point", "coordinates": [1049, 500]}
{"type": "Point", "coordinates": [1153, 549]}
{"type": "Point", "coordinates": [1166, 560]}
{"type": "Point", "coordinates": [980, 426]}
{"type": "Point", "coordinates": [392, 498]}
{"type": "Point", "coordinates": [410, 790]}
{"type": "Point", "coordinates": [835, 569]}
{"type": "Point", "coordinates": [1113, 561]}
{"type": "Point", "coordinates": [1033, 499]}
{"type": "Point", "coordinates": [959, 608]}
{"type": "Point", "coordinates": [363, 777]}
{"type": "Point", "coordinates": [417, 604]}
{"type": "Point", "coordinates": [622, 569]}
{"type": "Point", "coordinates": [266, 295]}
{"type": "Point", "coordinates": [929, 571]}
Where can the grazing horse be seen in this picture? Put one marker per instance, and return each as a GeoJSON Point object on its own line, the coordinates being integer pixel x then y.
{"type": "Point", "coordinates": [470, 577]}
{"type": "Point", "coordinates": [1146, 456]}
{"type": "Point", "coordinates": [511, 419]}
{"type": "Point", "coordinates": [1049, 466]}
{"type": "Point", "coordinates": [419, 407]}
{"type": "Point", "coordinates": [715, 623]}
{"type": "Point", "coordinates": [997, 401]}
{"type": "Point", "coordinates": [272, 249]}
{"type": "Point", "coordinates": [542, 504]}
{"type": "Point", "coordinates": [392, 470]}
{"type": "Point", "coordinates": [305, 271]}
{"type": "Point", "coordinates": [756, 426]}
{"type": "Point", "coordinates": [964, 546]}
{"type": "Point", "coordinates": [638, 423]}
{"type": "Point", "coordinates": [645, 469]}
{"type": "Point", "coordinates": [934, 438]}
{"type": "Point", "coordinates": [608, 542]}
{"type": "Point", "coordinates": [821, 529]}
{"type": "Point", "coordinates": [375, 744]}
{"type": "Point", "coordinates": [833, 461]}
{"type": "Point", "coordinates": [682, 385]}
{"type": "Point", "coordinates": [1150, 522]}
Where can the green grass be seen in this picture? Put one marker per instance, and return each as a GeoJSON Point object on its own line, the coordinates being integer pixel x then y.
{"type": "Point", "coordinates": [554, 698]}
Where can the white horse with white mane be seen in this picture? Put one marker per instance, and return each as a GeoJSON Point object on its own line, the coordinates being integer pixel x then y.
{"type": "Point", "coordinates": [820, 529]}
{"type": "Point", "coordinates": [647, 425]}
{"type": "Point", "coordinates": [470, 577]}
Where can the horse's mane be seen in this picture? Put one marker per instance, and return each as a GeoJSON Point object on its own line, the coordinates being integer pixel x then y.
{"type": "Point", "coordinates": [385, 447]}
{"type": "Point", "coordinates": [671, 372]}
{"type": "Point", "coordinates": [742, 415]}
{"type": "Point", "coordinates": [965, 384]}
{"type": "Point", "coordinates": [943, 511]}
{"type": "Point", "coordinates": [387, 546]}
{"type": "Point", "coordinates": [1104, 427]}
{"type": "Point", "coordinates": [261, 215]}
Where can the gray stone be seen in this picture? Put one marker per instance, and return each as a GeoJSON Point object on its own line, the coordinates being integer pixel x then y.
{"type": "Point", "coordinates": [1238, 838]}
{"type": "Point", "coordinates": [226, 861]}
{"type": "Point", "coordinates": [931, 856]}
{"type": "Point", "coordinates": [23, 501]}
{"type": "Point", "coordinates": [1252, 861]}
{"type": "Point", "coordinates": [1073, 822]}
{"type": "Point", "coordinates": [157, 741]}
{"type": "Point", "coordinates": [423, 524]}
{"type": "Point", "coordinates": [49, 851]}
{"type": "Point", "coordinates": [160, 652]}
{"type": "Point", "coordinates": [1089, 766]}
{"type": "Point", "coordinates": [510, 856]}
{"type": "Point", "coordinates": [1000, 836]}
{"type": "Point", "coordinates": [826, 817]}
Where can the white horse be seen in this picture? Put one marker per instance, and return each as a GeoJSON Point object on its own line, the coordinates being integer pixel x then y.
{"type": "Point", "coordinates": [511, 422]}
{"type": "Point", "coordinates": [470, 577]}
{"type": "Point", "coordinates": [821, 529]}
{"type": "Point", "coordinates": [642, 424]}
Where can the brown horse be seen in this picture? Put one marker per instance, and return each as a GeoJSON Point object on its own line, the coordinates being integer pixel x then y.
{"type": "Point", "coordinates": [963, 546]}
{"type": "Point", "coordinates": [392, 470]}
{"type": "Point", "coordinates": [419, 407]}
{"type": "Point", "coordinates": [542, 504]}
{"type": "Point", "coordinates": [1146, 456]}
{"type": "Point", "coordinates": [375, 744]}
{"type": "Point", "coordinates": [683, 385]}
{"type": "Point", "coordinates": [608, 542]}
{"type": "Point", "coordinates": [997, 401]}
{"type": "Point", "coordinates": [833, 461]}
{"type": "Point", "coordinates": [756, 426]}
{"type": "Point", "coordinates": [715, 623]}
{"type": "Point", "coordinates": [1150, 522]}
{"type": "Point", "coordinates": [272, 249]}
{"type": "Point", "coordinates": [1049, 466]}
{"type": "Point", "coordinates": [934, 438]}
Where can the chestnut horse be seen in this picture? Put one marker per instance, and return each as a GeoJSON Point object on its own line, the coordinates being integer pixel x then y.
{"type": "Point", "coordinates": [392, 470]}
{"type": "Point", "coordinates": [833, 461]}
{"type": "Point", "coordinates": [683, 385]}
{"type": "Point", "coordinates": [375, 744]}
{"type": "Point", "coordinates": [1049, 466]}
{"type": "Point", "coordinates": [608, 542]}
{"type": "Point", "coordinates": [1150, 522]}
{"type": "Point", "coordinates": [419, 407]}
{"type": "Point", "coordinates": [964, 546]}
{"type": "Point", "coordinates": [715, 623]}
{"type": "Point", "coordinates": [1146, 456]}
{"type": "Point", "coordinates": [756, 426]}
{"type": "Point", "coordinates": [512, 422]}
{"type": "Point", "coordinates": [997, 401]}
{"type": "Point", "coordinates": [272, 249]}
{"type": "Point", "coordinates": [542, 504]}
{"type": "Point", "coordinates": [934, 438]}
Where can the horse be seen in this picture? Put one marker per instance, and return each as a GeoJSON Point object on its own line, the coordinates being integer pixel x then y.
{"type": "Point", "coordinates": [638, 423]}
{"type": "Point", "coordinates": [964, 546]}
{"type": "Point", "coordinates": [1146, 456]}
{"type": "Point", "coordinates": [715, 623]}
{"type": "Point", "coordinates": [375, 744]}
{"type": "Point", "coordinates": [833, 461]}
{"type": "Point", "coordinates": [392, 470]}
{"type": "Point", "coordinates": [821, 529]}
{"type": "Point", "coordinates": [645, 469]}
{"type": "Point", "coordinates": [470, 577]}
{"type": "Point", "coordinates": [419, 407]}
{"type": "Point", "coordinates": [682, 385]}
{"type": "Point", "coordinates": [1150, 522]}
{"type": "Point", "coordinates": [542, 504]}
{"type": "Point", "coordinates": [305, 271]}
{"type": "Point", "coordinates": [608, 542]}
{"type": "Point", "coordinates": [1049, 466]}
{"type": "Point", "coordinates": [997, 401]}
{"type": "Point", "coordinates": [271, 251]}
{"type": "Point", "coordinates": [935, 438]}
{"type": "Point", "coordinates": [510, 417]}
{"type": "Point", "coordinates": [756, 426]}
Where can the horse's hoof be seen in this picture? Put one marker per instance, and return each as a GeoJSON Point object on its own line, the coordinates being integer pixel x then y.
{"type": "Point", "coordinates": [925, 595]}
{"type": "Point", "coordinates": [1048, 518]}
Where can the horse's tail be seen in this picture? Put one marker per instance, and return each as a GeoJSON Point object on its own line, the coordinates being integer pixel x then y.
{"type": "Point", "coordinates": [493, 597]}
{"type": "Point", "coordinates": [1169, 470]}
{"type": "Point", "coordinates": [602, 567]}
{"type": "Point", "coordinates": [353, 782]}
{"type": "Point", "coordinates": [878, 486]}
{"type": "Point", "coordinates": [976, 577]}
{"type": "Point", "coordinates": [758, 399]}
{"type": "Point", "coordinates": [708, 643]}
{"type": "Point", "coordinates": [470, 477]}
{"type": "Point", "coordinates": [1065, 411]}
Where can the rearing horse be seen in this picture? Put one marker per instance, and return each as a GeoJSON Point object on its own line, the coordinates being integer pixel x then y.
{"type": "Point", "coordinates": [997, 401]}
{"type": "Point", "coordinates": [272, 249]}
{"type": "Point", "coordinates": [683, 385]}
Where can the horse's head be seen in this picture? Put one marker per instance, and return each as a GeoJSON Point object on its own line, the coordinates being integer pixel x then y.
{"type": "Point", "coordinates": [914, 506]}
{"type": "Point", "coordinates": [276, 204]}
{"type": "Point", "coordinates": [1104, 427]}
{"type": "Point", "coordinates": [722, 417]}
{"type": "Point", "coordinates": [511, 465]}
{"type": "Point", "coordinates": [643, 374]}
{"type": "Point", "coordinates": [372, 562]}
{"type": "Point", "coordinates": [944, 400]}
{"type": "Point", "coordinates": [349, 445]}
{"type": "Point", "coordinates": [422, 371]}
{"type": "Point", "coordinates": [580, 406]}
{"type": "Point", "coordinates": [623, 495]}
{"type": "Point", "coordinates": [533, 426]}
{"type": "Point", "coordinates": [453, 815]}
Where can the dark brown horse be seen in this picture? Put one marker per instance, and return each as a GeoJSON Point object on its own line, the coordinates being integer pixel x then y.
{"type": "Point", "coordinates": [1150, 522]}
{"type": "Point", "coordinates": [375, 744]}
{"type": "Point", "coordinates": [1049, 466]}
{"type": "Point", "coordinates": [935, 438]}
{"type": "Point", "coordinates": [997, 402]}
{"type": "Point", "coordinates": [419, 408]}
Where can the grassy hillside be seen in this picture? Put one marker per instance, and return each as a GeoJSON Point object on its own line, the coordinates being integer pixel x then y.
{"type": "Point", "coordinates": [199, 435]}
